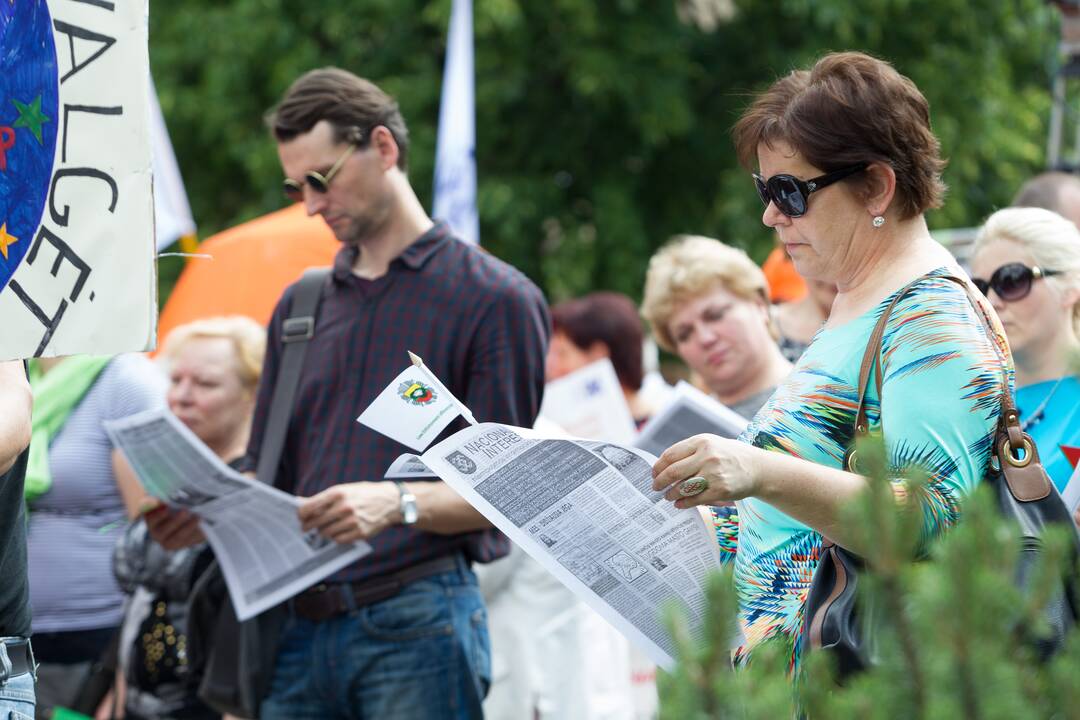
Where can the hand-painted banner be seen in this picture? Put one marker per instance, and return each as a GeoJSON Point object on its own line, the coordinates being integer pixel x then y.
{"type": "Point", "coordinates": [76, 203]}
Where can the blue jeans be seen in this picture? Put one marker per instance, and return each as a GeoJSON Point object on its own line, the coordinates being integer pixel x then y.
{"type": "Point", "coordinates": [424, 653]}
{"type": "Point", "coordinates": [17, 698]}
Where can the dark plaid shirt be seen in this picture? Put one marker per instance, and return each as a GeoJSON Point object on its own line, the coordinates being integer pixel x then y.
{"type": "Point", "coordinates": [478, 323]}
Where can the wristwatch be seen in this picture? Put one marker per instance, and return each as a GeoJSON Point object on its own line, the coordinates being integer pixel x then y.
{"type": "Point", "coordinates": [408, 504]}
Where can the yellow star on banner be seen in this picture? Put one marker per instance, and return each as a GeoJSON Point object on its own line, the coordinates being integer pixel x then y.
{"type": "Point", "coordinates": [6, 240]}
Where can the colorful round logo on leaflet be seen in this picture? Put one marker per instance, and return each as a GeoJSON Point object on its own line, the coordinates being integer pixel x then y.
{"type": "Point", "coordinates": [416, 393]}
{"type": "Point", "coordinates": [29, 103]}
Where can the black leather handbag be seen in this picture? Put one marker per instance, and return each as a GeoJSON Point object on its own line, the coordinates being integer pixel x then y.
{"type": "Point", "coordinates": [834, 620]}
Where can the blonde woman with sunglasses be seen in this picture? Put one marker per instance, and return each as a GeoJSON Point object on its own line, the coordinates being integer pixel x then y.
{"type": "Point", "coordinates": [1027, 263]}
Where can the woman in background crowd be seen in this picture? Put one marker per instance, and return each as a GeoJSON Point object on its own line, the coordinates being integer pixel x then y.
{"type": "Point", "coordinates": [80, 492]}
{"type": "Point", "coordinates": [600, 325]}
{"type": "Point", "coordinates": [708, 303]}
{"type": "Point", "coordinates": [213, 368]}
{"type": "Point", "coordinates": [1027, 263]}
{"type": "Point", "coordinates": [798, 321]}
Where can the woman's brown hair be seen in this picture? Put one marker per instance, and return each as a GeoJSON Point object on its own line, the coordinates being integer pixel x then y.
{"type": "Point", "coordinates": [850, 108]}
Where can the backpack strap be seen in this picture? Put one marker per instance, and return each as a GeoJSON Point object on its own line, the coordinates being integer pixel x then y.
{"type": "Point", "coordinates": [297, 329]}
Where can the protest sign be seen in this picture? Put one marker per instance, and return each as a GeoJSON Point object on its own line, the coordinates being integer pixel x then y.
{"type": "Point", "coordinates": [76, 202]}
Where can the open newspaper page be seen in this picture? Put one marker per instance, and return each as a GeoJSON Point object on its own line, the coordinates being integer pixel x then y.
{"type": "Point", "coordinates": [587, 512]}
{"type": "Point", "coordinates": [252, 527]}
{"type": "Point", "coordinates": [690, 412]}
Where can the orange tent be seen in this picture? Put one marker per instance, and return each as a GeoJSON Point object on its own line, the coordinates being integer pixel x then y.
{"type": "Point", "coordinates": [252, 264]}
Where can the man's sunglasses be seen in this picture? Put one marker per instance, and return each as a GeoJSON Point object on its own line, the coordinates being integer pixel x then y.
{"type": "Point", "coordinates": [791, 195]}
{"type": "Point", "coordinates": [1012, 281]}
{"type": "Point", "coordinates": [316, 181]}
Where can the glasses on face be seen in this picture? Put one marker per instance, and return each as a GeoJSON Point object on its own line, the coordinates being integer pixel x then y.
{"type": "Point", "coordinates": [315, 180]}
{"type": "Point", "coordinates": [791, 195]}
{"type": "Point", "coordinates": [1012, 281]}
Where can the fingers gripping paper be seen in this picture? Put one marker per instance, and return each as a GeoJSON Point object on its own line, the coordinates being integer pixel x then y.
{"type": "Point", "coordinates": [76, 204]}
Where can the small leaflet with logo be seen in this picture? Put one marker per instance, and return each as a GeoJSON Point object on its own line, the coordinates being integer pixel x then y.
{"type": "Point", "coordinates": [412, 410]}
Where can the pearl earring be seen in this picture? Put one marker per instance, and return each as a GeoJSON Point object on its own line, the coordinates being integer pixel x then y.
{"type": "Point", "coordinates": [879, 220]}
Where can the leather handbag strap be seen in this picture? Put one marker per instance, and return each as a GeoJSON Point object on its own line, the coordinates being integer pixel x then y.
{"type": "Point", "coordinates": [1025, 476]}
{"type": "Point", "coordinates": [297, 329]}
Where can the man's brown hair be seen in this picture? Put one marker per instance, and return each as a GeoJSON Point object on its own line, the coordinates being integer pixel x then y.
{"type": "Point", "coordinates": [850, 108]}
{"type": "Point", "coordinates": [351, 104]}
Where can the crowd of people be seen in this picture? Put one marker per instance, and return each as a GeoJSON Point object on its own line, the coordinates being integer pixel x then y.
{"type": "Point", "coordinates": [102, 575]}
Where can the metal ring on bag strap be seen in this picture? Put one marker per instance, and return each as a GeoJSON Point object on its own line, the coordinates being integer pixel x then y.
{"type": "Point", "coordinates": [1005, 449]}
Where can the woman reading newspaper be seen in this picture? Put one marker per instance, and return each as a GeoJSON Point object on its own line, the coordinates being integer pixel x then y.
{"type": "Point", "coordinates": [213, 368]}
{"type": "Point", "coordinates": [845, 185]}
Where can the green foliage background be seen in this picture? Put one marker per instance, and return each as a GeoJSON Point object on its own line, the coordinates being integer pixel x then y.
{"type": "Point", "coordinates": [602, 125]}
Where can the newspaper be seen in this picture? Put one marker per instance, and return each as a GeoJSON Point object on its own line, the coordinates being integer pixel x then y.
{"type": "Point", "coordinates": [1071, 494]}
{"type": "Point", "coordinates": [691, 412]}
{"type": "Point", "coordinates": [586, 511]}
{"type": "Point", "coordinates": [253, 528]}
{"type": "Point", "coordinates": [589, 402]}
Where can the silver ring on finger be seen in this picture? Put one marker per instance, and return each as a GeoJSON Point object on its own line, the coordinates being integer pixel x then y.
{"type": "Point", "coordinates": [693, 486]}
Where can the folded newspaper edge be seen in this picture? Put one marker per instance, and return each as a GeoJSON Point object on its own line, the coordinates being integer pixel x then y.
{"type": "Point", "coordinates": [706, 414]}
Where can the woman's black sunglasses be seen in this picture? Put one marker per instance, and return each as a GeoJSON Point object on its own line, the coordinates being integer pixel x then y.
{"type": "Point", "coordinates": [791, 195]}
{"type": "Point", "coordinates": [1012, 281]}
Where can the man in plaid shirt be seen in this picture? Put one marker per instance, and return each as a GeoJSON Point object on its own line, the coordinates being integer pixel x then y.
{"type": "Point", "coordinates": [402, 632]}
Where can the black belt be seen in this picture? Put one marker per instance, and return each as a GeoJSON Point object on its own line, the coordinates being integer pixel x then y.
{"type": "Point", "coordinates": [326, 601]}
{"type": "Point", "coordinates": [19, 655]}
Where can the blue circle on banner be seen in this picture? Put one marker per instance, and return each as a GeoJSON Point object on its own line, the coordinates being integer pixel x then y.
{"type": "Point", "coordinates": [29, 101]}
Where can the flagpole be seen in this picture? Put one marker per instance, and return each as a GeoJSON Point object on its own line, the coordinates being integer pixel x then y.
{"type": "Point", "coordinates": [454, 196]}
{"type": "Point", "coordinates": [418, 362]}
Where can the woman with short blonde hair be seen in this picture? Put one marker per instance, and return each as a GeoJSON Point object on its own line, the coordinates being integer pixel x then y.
{"type": "Point", "coordinates": [213, 368]}
{"type": "Point", "coordinates": [247, 336]}
{"type": "Point", "coordinates": [708, 303]}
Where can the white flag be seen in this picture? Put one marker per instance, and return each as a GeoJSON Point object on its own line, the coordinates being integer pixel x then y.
{"type": "Point", "coordinates": [412, 410]}
{"type": "Point", "coordinates": [172, 212]}
{"type": "Point", "coordinates": [455, 153]}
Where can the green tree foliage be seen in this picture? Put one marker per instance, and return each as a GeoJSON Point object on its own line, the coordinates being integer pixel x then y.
{"type": "Point", "coordinates": [950, 630]}
{"type": "Point", "coordinates": [602, 125]}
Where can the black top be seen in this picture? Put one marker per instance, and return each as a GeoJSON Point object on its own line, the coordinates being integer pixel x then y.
{"type": "Point", "coordinates": [14, 588]}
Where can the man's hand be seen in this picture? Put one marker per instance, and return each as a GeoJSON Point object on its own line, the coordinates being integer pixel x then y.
{"type": "Point", "coordinates": [352, 511]}
{"type": "Point", "coordinates": [172, 529]}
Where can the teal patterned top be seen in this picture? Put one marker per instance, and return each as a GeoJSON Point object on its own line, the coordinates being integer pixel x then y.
{"type": "Point", "coordinates": [940, 400]}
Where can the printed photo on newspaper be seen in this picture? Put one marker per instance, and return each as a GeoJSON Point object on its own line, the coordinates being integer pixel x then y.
{"type": "Point", "coordinates": [586, 511]}
{"type": "Point", "coordinates": [690, 412]}
{"type": "Point", "coordinates": [253, 528]}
